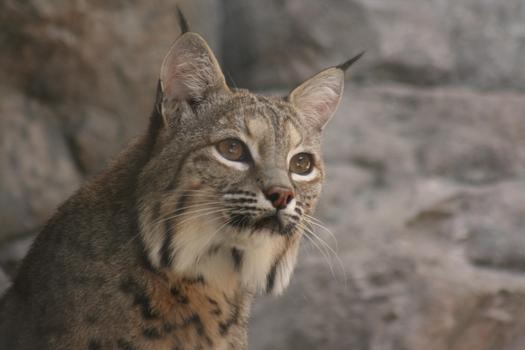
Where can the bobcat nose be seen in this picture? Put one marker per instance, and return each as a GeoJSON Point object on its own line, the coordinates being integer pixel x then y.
{"type": "Point", "coordinates": [279, 196]}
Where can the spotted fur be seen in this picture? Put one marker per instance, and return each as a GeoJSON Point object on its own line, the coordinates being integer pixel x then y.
{"type": "Point", "coordinates": [166, 249]}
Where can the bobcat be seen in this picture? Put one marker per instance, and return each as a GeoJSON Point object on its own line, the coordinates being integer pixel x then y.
{"type": "Point", "coordinates": [166, 248]}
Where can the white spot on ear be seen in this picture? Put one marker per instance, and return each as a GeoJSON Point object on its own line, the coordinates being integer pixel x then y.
{"type": "Point", "coordinates": [230, 163]}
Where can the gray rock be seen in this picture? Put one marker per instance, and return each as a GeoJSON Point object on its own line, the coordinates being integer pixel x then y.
{"type": "Point", "coordinates": [95, 137]}
{"type": "Point", "coordinates": [12, 253]}
{"type": "Point", "coordinates": [471, 138]}
{"type": "Point", "coordinates": [421, 43]}
{"type": "Point", "coordinates": [492, 247]}
{"type": "Point", "coordinates": [268, 44]}
{"type": "Point", "coordinates": [36, 168]}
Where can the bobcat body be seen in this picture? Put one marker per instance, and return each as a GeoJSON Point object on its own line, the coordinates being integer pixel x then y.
{"type": "Point", "coordinates": [167, 247]}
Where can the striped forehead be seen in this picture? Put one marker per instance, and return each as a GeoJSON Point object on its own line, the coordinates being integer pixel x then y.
{"type": "Point", "coordinates": [267, 121]}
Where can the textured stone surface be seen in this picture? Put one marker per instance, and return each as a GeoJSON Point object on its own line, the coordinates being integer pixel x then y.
{"type": "Point", "coordinates": [36, 169]}
{"type": "Point", "coordinates": [467, 42]}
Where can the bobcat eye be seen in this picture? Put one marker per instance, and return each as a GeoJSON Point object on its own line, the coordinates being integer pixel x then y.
{"type": "Point", "coordinates": [233, 149]}
{"type": "Point", "coordinates": [301, 163]}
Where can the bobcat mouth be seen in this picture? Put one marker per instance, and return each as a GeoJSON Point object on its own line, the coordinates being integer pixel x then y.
{"type": "Point", "coordinates": [271, 223]}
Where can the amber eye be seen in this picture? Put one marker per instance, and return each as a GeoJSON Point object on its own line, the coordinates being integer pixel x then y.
{"type": "Point", "coordinates": [233, 149]}
{"type": "Point", "coordinates": [301, 163]}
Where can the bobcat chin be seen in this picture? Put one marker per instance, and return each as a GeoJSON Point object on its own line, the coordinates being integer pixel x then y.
{"type": "Point", "coordinates": [166, 248]}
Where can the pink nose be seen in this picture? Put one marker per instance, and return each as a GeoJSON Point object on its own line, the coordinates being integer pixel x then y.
{"type": "Point", "coordinates": [279, 196]}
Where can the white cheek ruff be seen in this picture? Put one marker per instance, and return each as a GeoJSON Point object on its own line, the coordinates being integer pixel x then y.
{"type": "Point", "coordinates": [308, 177]}
{"type": "Point", "coordinates": [230, 163]}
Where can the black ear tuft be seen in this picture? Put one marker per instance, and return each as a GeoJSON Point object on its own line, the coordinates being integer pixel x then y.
{"type": "Point", "coordinates": [344, 66]}
{"type": "Point", "coordinates": [156, 120]}
{"type": "Point", "coordinates": [158, 98]}
{"type": "Point", "coordinates": [183, 23]}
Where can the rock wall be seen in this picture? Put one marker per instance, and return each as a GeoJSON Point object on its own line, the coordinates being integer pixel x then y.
{"type": "Point", "coordinates": [425, 194]}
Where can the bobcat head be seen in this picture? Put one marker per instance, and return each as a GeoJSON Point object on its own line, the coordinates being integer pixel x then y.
{"type": "Point", "coordinates": [233, 174]}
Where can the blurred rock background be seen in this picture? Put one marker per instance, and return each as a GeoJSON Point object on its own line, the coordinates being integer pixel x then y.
{"type": "Point", "coordinates": [426, 157]}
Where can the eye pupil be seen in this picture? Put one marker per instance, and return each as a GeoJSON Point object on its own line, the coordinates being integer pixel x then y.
{"type": "Point", "coordinates": [233, 147]}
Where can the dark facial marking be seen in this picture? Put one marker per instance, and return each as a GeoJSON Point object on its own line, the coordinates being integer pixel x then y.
{"type": "Point", "coordinates": [271, 223]}
{"type": "Point", "coordinates": [241, 200]}
{"type": "Point", "coordinates": [237, 256]}
{"type": "Point", "coordinates": [173, 184]}
{"type": "Point", "coordinates": [144, 259]}
{"type": "Point", "coordinates": [294, 217]}
{"type": "Point", "coordinates": [246, 193]}
{"type": "Point", "coordinates": [201, 158]}
{"type": "Point", "coordinates": [270, 278]}
{"type": "Point", "coordinates": [240, 221]}
{"type": "Point", "coordinates": [169, 231]}
{"type": "Point", "coordinates": [246, 207]}
{"type": "Point", "coordinates": [214, 250]}
{"type": "Point", "coordinates": [156, 211]}
{"type": "Point", "coordinates": [166, 244]}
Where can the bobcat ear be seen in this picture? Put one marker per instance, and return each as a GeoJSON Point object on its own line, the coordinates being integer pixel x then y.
{"type": "Point", "coordinates": [190, 70]}
{"type": "Point", "coordinates": [318, 97]}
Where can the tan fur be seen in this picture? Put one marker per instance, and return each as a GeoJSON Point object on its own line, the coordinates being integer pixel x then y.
{"type": "Point", "coordinates": [166, 249]}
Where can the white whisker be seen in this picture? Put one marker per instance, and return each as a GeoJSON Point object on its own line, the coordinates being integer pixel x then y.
{"type": "Point", "coordinates": [329, 248]}
{"type": "Point", "coordinates": [323, 253]}
{"type": "Point", "coordinates": [315, 221]}
{"type": "Point", "coordinates": [185, 213]}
